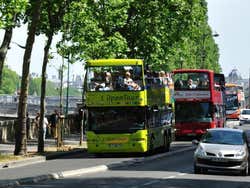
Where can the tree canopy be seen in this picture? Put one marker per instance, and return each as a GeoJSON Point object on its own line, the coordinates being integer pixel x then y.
{"type": "Point", "coordinates": [165, 34]}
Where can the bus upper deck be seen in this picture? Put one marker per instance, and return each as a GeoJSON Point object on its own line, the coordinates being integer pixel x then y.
{"type": "Point", "coordinates": [122, 82]}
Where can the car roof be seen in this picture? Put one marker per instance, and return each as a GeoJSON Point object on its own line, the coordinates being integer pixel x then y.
{"type": "Point", "coordinates": [226, 129]}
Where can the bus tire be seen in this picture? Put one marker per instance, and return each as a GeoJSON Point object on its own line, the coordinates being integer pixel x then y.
{"type": "Point", "coordinates": [151, 146]}
{"type": "Point", "coordinates": [166, 146]}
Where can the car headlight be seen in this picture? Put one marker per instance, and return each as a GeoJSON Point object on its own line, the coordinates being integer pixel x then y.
{"type": "Point", "coordinates": [240, 153]}
{"type": "Point", "coordinates": [200, 152]}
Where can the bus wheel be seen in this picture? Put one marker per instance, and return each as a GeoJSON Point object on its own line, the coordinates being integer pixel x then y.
{"type": "Point", "coordinates": [151, 147]}
{"type": "Point", "coordinates": [166, 143]}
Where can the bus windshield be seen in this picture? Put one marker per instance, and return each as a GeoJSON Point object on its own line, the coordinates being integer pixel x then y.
{"type": "Point", "coordinates": [194, 80]}
{"type": "Point", "coordinates": [114, 78]}
{"type": "Point", "coordinates": [232, 102]}
{"type": "Point", "coordinates": [116, 120]}
{"type": "Point", "coordinates": [193, 112]}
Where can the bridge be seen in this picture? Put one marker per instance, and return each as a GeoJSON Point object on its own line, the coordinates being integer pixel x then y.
{"type": "Point", "coordinates": [9, 104]}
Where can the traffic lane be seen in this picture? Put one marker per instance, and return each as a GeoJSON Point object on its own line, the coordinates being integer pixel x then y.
{"type": "Point", "coordinates": [75, 161]}
{"type": "Point", "coordinates": [235, 124]}
{"type": "Point", "coordinates": [175, 146]}
{"type": "Point", "coordinates": [175, 171]}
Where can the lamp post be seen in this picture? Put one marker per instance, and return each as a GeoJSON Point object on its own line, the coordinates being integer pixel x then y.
{"type": "Point", "coordinates": [249, 89]}
{"type": "Point", "coordinates": [203, 54]}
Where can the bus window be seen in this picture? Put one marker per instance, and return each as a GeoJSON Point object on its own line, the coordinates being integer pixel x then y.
{"type": "Point", "coordinates": [186, 81]}
{"type": "Point", "coordinates": [112, 78]}
{"type": "Point", "coordinates": [193, 112]}
{"type": "Point", "coordinates": [116, 120]}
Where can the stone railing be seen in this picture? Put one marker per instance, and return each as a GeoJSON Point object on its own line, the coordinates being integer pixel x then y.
{"type": "Point", "coordinates": [7, 127]}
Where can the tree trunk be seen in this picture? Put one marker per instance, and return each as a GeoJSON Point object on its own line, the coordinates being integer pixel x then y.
{"type": "Point", "coordinates": [4, 49]}
{"type": "Point", "coordinates": [40, 148]}
{"type": "Point", "coordinates": [20, 128]}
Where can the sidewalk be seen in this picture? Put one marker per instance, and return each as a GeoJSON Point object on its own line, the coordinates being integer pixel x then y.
{"type": "Point", "coordinates": [72, 139]}
{"type": "Point", "coordinates": [50, 146]}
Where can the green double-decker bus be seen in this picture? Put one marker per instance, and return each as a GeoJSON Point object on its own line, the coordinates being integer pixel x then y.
{"type": "Point", "coordinates": [127, 110]}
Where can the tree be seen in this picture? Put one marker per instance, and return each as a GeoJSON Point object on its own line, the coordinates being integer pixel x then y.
{"type": "Point", "coordinates": [51, 21]}
{"type": "Point", "coordinates": [20, 128]}
{"type": "Point", "coordinates": [10, 14]}
{"type": "Point", "coordinates": [162, 33]}
{"type": "Point", "coordinates": [10, 81]}
{"type": "Point", "coordinates": [93, 32]}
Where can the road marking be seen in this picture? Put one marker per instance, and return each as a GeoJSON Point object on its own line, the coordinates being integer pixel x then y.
{"type": "Point", "coordinates": [150, 182]}
{"type": "Point", "coordinates": [156, 181]}
{"type": "Point", "coordinates": [169, 177]}
{"type": "Point", "coordinates": [182, 174]}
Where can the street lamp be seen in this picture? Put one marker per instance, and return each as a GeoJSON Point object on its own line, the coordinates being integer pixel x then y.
{"type": "Point", "coordinates": [203, 54]}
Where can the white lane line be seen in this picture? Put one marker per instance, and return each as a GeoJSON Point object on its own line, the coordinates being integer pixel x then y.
{"type": "Point", "coordinates": [169, 177]}
{"type": "Point", "coordinates": [181, 174]}
{"type": "Point", "coordinates": [150, 182]}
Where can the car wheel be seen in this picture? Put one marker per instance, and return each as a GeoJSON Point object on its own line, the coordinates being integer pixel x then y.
{"type": "Point", "coordinates": [197, 170]}
{"type": "Point", "coordinates": [245, 171]}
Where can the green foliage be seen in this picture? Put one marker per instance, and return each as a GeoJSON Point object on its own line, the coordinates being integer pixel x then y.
{"type": "Point", "coordinates": [11, 11]}
{"type": "Point", "coordinates": [93, 30]}
{"type": "Point", "coordinates": [166, 34]}
{"type": "Point", "coordinates": [51, 88]}
{"type": "Point", "coordinates": [10, 81]}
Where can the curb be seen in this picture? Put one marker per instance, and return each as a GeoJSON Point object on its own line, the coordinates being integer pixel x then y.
{"type": "Point", "coordinates": [23, 162]}
{"type": "Point", "coordinates": [38, 159]}
{"type": "Point", "coordinates": [95, 169]}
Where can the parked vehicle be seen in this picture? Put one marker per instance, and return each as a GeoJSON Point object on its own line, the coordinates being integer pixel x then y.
{"type": "Point", "coordinates": [244, 116]}
{"type": "Point", "coordinates": [222, 149]}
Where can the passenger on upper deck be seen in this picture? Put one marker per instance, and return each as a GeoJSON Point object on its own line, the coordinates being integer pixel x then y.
{"type": "Point", "coordinates": [129, 83]}
{"type": "Point", "coordinates": [163, 78]}
{"type": "Point", "coordinates": [191, 85]}
{"type": "Point", "coordinates": [107, 83]}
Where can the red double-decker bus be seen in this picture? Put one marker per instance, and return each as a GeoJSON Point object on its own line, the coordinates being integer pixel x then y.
{"type": "Point", "coordinates": [199, 101]}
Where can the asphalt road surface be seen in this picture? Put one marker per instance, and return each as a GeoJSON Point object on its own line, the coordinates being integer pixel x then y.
{"type": "Point", "coordinates": [174, 171]}
{"type": "Point", "coordinates": [170, 172]}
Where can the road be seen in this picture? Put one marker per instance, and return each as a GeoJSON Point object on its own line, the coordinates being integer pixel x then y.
{"type": "Point", "coordinates": [171, 171]}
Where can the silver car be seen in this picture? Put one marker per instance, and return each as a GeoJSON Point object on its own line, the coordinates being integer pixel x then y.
{"type": "Point", "coordinates": [222, 149]}
{"type": "Point", "coordinates": [244, 116]}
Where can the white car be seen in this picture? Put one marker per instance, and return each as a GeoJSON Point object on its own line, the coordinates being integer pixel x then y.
{"type": "Point", "coordinates": [244, 116]}
{"type": "Point", "coordinates": [222, 149]}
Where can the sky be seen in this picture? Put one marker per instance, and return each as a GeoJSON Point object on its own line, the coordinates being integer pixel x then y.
{"type": "Point", "coordinates": [228, 18]}
{"type": "Point", "coordinates": [15, 55]}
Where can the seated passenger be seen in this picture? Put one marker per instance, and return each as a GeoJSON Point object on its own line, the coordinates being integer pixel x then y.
{"type": "Point", "coordinates": [106, 85]}
{"type": "Point", "coordinates": [191, 85]}
{"type": "Point", "coordinates": [129, 83]}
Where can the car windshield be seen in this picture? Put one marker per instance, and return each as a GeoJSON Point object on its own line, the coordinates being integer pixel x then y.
{"type": "Point", "coordinates": [245, 112]}
{"type": "Point", "coordinates": [223, 137]}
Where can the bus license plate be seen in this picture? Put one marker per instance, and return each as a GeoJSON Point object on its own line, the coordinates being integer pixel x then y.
{"type": "Point", "coordinates": [114, 145]}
